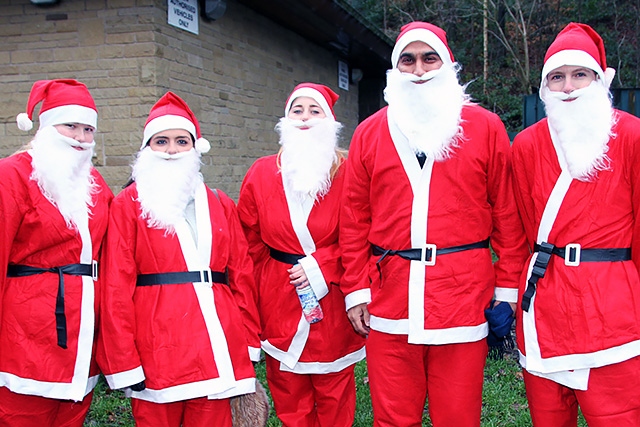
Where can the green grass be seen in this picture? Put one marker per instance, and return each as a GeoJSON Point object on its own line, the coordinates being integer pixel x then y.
{"type": "Point", "coordinates": [503, 395]}
{"type": "Point", "coordinates": [109, 408]}
{"type": "Point", "coordinates": [504, 400]}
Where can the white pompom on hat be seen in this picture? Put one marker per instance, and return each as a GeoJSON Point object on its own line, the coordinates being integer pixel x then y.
{"type": "Point", "coordinates": [63, 101]}
{"type": "Point", "coordinates": [171, 112]}
{"type": "Point", "coordinates": [578, 45]}
{"type": "Point", "coordinates": [325, 97]}
{"type": "Point", "coordinates": [424, 32]}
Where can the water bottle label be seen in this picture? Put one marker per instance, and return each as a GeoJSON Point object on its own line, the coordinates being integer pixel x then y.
{"type": "Point", "coordinates": [310, 305]}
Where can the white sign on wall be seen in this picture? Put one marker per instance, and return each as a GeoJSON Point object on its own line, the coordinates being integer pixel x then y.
{"type": "Point", "coordinates": [343, 75]}
{"type": "Point", "coordinates": [183, 14]}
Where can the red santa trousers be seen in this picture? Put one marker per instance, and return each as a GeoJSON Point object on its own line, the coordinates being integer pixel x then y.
{"type": "Point", "coordinates": [402, 375]}
{"type": "Point", "coordinates": [312, 400]}
{"type": "Point", "coordinates": [199, 412]}
{"type": "Point", "coordinates": [23, 410]}
{"type": "Point", "coordinates": [612, 398]}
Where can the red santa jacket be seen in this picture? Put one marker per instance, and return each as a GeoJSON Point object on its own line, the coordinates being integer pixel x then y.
{"type": "Point", "coordinates": [326, 346]}
{"type": "Point", "coordinates": [35, 234]}
{"type": "Point", "coordinates": [586, 315]}
{"type": "Point", "coordinates": [186, 340]}
{"type": "Point", "coordinates": [391, 202]}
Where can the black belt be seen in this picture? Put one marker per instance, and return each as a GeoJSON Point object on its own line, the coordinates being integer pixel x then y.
{"type": "Point", "coordinates": [284, 257]}
{"type": "Point", "coordinates": [91, 270]}
{"type": "Point", "coordinates": [573, 255]}
{"type": "Point", "coordinates": [207, 276]}
{"type": "Point", "coordinates": [427, 254]}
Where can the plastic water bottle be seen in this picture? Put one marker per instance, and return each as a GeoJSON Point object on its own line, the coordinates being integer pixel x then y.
{"type": "Point", "coordinates": [310, 305]}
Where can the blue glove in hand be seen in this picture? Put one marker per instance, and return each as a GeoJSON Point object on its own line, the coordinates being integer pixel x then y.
{"type": "Point", "coordinates": [500, 318]}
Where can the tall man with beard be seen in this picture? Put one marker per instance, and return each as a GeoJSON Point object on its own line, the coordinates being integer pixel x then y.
{"type": "Point", "coordinates": [179, 322]}
{"type": "Point", "coordinates": [576, 180]}
{"type": "Point", "coordinates": [54, 210]}
{"type": "Point", "coordinates": [289, 207]}
{"type": "Point", "coordinates": [427, 188]}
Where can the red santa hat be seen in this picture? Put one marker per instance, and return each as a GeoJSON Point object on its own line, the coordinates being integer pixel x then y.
{"type": "Point", "coordinates": [578, 45]}
{"type": "Point", "coordinates": [171, 112]}
{"type": "Point", "coordinates": [63, 101]}
{"type": "Point", "coordinates": [424, 32]}
{"type": "Point", "coordinates": [325, 97]}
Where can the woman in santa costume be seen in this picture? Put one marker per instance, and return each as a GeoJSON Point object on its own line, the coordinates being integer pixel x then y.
{"type": "Point", "coordinates": [54, 210]}
{"type": "Point", "coordinates": [288, 206]}
{"type": "Point", "coordinates": [179, 322]}
{"type": "Point", "coordinates": [577, 184]}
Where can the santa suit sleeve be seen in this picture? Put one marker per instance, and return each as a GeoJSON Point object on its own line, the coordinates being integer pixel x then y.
{"type": "Point", "coordinates": [355, 223]}
{"type": "Point", "coordinates": [12, 207]}
{"type": "Point", "coordinates": [522, 179]}
{"type": "Point", "coordinates": [117, 354]}
{"type": "Point", "coordinates": [241, 278]}
{"type": "Point", "coordinates": [507, 238]}
{"type": "Point", "coordinates": [324, 266]}
{"type": "Point", "coordinates": [312, 265]}
{"type": "Point", "coordinates": [250, 220]}
{"type": "Point", "coordinates": [633, 132]}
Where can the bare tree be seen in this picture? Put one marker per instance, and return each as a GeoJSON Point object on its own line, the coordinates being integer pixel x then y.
{"type": "Point", "coordinates": [514, 35]}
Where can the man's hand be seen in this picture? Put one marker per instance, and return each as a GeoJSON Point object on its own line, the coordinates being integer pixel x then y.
{"type": "Point", "coordinates": [359, 317]}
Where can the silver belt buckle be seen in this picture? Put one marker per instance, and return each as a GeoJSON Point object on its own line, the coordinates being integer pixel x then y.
{"type": "Point", "coordinates": [94, 270]}
{"type": "Point", "coordinates": [576, 249]}
{"type": "Point", "coordinates": [203, 278]}
{"type": "Point", "coordinates": [423, 254]}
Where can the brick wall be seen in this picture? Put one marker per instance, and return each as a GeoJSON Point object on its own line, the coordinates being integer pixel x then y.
{"type": "Point", "coordinates": [235, 75]}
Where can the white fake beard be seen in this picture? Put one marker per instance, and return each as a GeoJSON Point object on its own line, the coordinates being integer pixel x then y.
{"type": "Point", "coordinates": [308, 155]}
{"type": "Point", "coordinates": [166, 184]}
{"type": "Point", "coordinates": [583, 126]}
{"type": "Point", "coordinates": [63, 174]}
{"type": "Point", "coordinates": [428, 114]}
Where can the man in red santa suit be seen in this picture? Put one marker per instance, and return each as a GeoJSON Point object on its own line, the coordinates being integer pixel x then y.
{"type": "Point", "coordinates": [54, 210]}
{"type": "Point", "coordinates": [289, 207]}
{"type": "Point", "coordinates": [427, 188]}
{"type": "Point", "coordinates": [179, 322]}
{"type": "Point", "coordinates": [576, 181]}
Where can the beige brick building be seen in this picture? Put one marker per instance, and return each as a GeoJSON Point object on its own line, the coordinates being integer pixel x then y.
{"type": "Point", "coordinates": [235, 73]}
